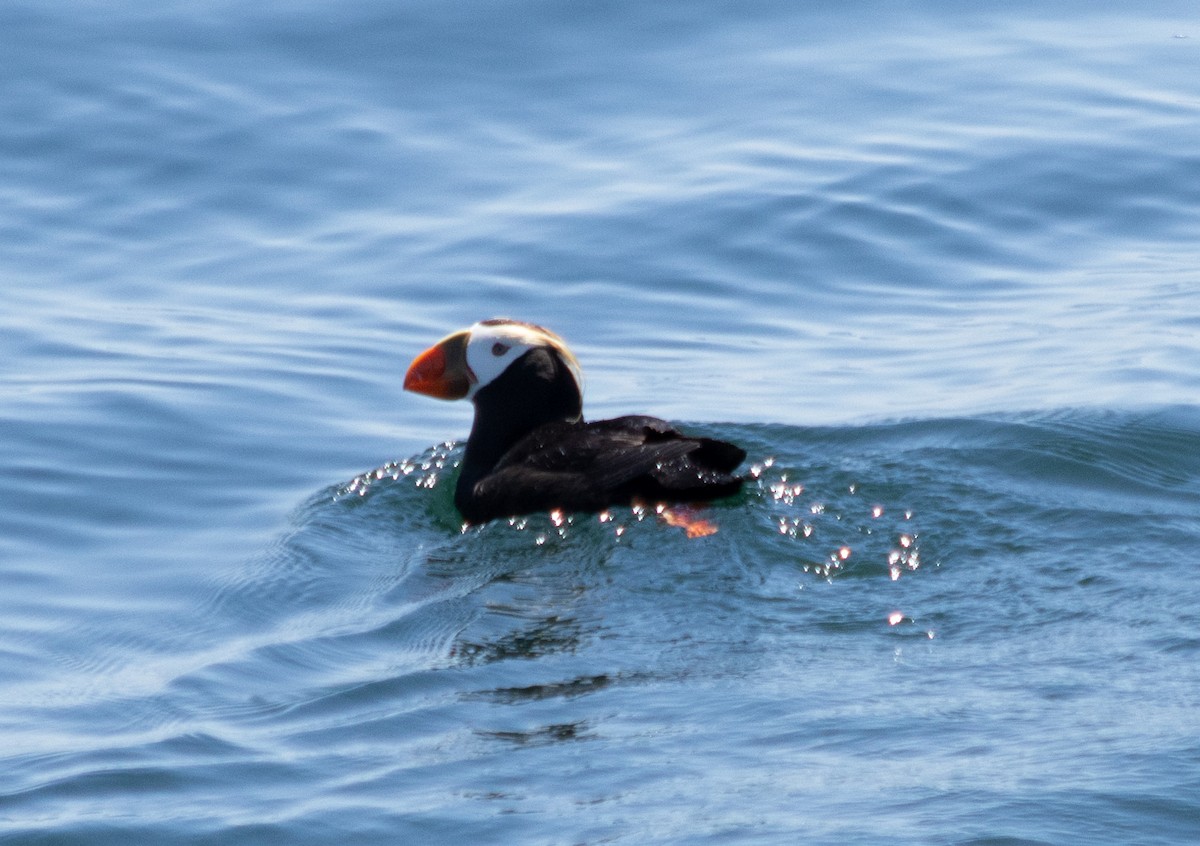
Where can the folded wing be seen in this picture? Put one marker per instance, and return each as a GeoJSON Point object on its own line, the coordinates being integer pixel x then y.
{"type": "Point", "coordinates": [589, 466]}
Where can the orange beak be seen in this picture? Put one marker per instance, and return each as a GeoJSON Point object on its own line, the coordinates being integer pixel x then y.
{"type": "Point", "coordinates": [441, 371]}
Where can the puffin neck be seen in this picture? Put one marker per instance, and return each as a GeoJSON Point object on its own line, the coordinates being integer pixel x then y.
{"type": "Point", "coordinates": [536, 389]}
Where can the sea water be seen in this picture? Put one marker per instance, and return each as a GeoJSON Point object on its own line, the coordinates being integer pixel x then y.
{"type": "Point", "coordinates": [934, 267]}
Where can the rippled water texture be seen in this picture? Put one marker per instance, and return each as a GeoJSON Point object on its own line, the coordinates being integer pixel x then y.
{"type": "Point", "coordinates": [934, 268]}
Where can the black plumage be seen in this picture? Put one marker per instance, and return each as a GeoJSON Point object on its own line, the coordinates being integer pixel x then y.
{"type": "Point", "coordinates": [531, 451]}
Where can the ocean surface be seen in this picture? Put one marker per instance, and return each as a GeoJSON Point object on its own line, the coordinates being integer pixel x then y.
{"type": "Point", "coordinates": [935, 265]}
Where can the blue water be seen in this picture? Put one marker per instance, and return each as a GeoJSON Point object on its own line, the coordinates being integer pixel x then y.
{"type": "Point", "coordinates": [935, 267]}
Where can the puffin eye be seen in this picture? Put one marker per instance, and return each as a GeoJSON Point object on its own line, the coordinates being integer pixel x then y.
{"type": "Point", "coordinates": [499, 349]}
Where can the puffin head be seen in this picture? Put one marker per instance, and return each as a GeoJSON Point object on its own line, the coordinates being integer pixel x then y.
{"type": "Point", "coordinates": [462, 364]}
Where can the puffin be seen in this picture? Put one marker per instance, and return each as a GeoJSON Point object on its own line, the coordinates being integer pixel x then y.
{"type": "Point", "coordinates": [530, 449]}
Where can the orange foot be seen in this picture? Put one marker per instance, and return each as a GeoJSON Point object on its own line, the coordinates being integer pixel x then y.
{"type": "Point", "coordinates": [688, 518]}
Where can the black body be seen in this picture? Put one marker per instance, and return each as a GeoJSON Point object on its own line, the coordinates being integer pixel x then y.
{"type": "Point", "coordinates": [530, 451]}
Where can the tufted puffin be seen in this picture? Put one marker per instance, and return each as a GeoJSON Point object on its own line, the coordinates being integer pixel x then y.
{"type": "Point", "coordinates": [530, 449]}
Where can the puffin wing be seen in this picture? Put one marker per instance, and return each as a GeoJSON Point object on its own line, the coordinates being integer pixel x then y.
{"type": "Point", "coordinates": [590, 466]}
{"type": "Point", "coordinates": [672, 454]}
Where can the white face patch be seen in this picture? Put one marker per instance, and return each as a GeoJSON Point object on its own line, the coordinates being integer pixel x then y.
{"type": "Point", "coordinates": [494, 346]}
